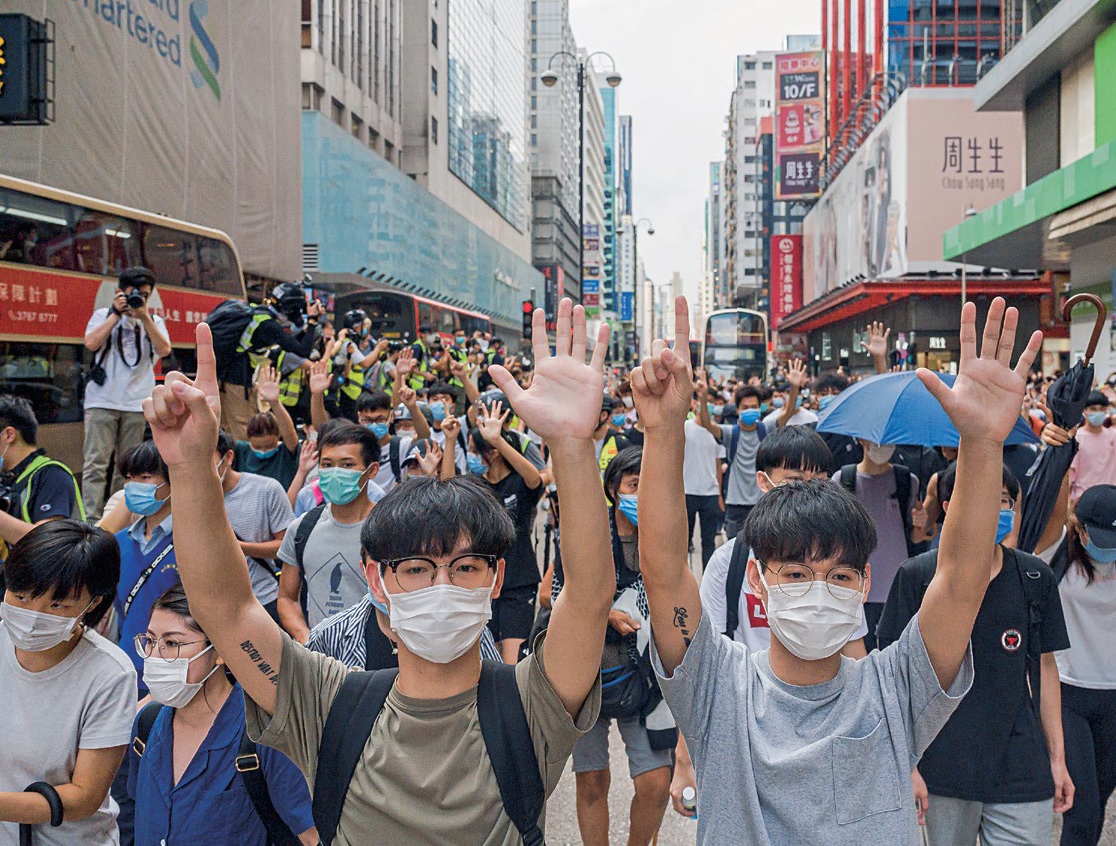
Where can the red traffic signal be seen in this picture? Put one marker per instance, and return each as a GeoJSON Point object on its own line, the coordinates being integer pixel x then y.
{"type": "Point", "coordinates": [528, 307]}
{"type": "Point", "coordinates": [528, 313]}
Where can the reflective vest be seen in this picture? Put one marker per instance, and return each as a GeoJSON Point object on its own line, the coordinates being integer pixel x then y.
{"type": "Point", "coordinates": [290, 386]}
{"type": "Point", "coordinates": [244, 345]}
{"type": "Point", "coordinates": [416, 381]}
{"type": "Point", "coordinates": [608, 451]}
{"type": "Point", "coordinates": [457, 355]}
{"type": "Point", "coordinates": [354, 382]}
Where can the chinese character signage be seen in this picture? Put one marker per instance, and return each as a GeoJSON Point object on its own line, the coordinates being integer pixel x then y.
{"type": "Point", "coordinates": [23, 66]}
{"type": "Point", "coordinates": [799, 126]}
{"type": "Point", "coordinates": [786, 276]}
{"type": "Point", "coordinates": [555, 288]}
{"type": "Point", "coordinates": [592, 260]}
{"type": "Point", "coordinates": [626, 306]}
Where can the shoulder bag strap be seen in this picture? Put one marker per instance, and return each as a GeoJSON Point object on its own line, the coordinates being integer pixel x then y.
{"type": "Point", "coordinates": [144, 725]}
{"type": "Point", "coordinates": [507, 739]}
{"type": "Point", "coordinates": [734, 585]}
{"type": "Point", "coordinates": [248, 765]}
{"type": "Point", "coordinates": [305, 528]}
{"type": "Point", "coordinates": [144, 576]}
{"type": "Point", "coordinates": [347, 729]}
{"type": "Point", "coordinates": [1034, 589]}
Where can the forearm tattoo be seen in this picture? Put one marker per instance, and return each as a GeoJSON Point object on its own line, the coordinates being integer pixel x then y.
{"type": "Point", "coordinates": [682, 623]}
{"type": "Point", "coordinates": [249, 649]}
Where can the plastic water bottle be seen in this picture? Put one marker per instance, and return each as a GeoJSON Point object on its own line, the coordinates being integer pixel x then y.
{"type": "Point", "coordinates": [689, 800]}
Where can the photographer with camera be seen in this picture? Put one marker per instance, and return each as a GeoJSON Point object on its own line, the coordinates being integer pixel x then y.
{"type": "Point", "coordinates": [125, 339]}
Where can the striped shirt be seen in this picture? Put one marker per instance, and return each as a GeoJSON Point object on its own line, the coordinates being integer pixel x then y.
{"type": "Point", "coordinates": [342, 636]}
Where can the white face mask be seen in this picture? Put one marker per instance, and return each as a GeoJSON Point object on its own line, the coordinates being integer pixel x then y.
{"type": "Point", "coordinates": [37, 631]}
{"type": "Point", "coordinates": [816, 624]}
{"type": "Point", "coordinates": [880, 453]}
{"type": "Point", "coordinates": [166, 680]}
{"type": "Point", "coordinates": [629, 402]}
{"type": "Point", "coordinates": [440, 623]}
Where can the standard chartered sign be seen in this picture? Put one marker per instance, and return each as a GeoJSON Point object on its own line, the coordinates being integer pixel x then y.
{"type": "Point", "coordinates": [156, 24]}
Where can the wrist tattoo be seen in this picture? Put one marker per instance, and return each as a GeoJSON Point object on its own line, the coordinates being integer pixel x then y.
{"type": "Point", "coordinates": [682, 623]}
{"type": "Point", "coordinates": [249, 649]}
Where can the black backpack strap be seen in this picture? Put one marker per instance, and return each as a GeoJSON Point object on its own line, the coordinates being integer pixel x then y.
{"type": "Point", "coordinates": [305, 527]}
{"type": "Point", "coordinates": [393, 457]}
{"type": "Point", "coordinates": [1035, 590]}
{"type": "Point", "coordinates": [248, 765]}
{"type": "Point", "coordinates": [903, 496]}
{"type": "Point", "coordinates": [347, 729]}
{"type": "Point", "coordinates": [507, 739]}
{"type": "Point", "coordinates": [848, 478]}
{"type": "Point", "coordinates": [734, 585]}
{"type": "Point", "coordinates": [144, 724]}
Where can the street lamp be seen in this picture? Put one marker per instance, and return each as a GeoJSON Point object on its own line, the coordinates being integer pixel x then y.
{"type": "Point", "coordinates": [635, 272]}
{"type": "Point", "coordinates": [969, 212]}
{"type": "Point", "coordinates": [549, 78]}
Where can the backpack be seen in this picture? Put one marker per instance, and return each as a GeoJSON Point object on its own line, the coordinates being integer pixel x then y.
{"type": "Point", "coordinates": [902, 495]}
{"type": "Point", "coordinates": [393, 458]}
{"type": "Point", "coordinates": [507, 738]}
{"type": "Point", "coordinates": [734, 585]}
{"type": "Point", "coordinates": [734, 442]}
{"type": "Point", "coordinates": [247, 763]}
{"type": "Point", "coordinates": [228, 323]}
{"type": "Point", "coordinates": [302, 537]}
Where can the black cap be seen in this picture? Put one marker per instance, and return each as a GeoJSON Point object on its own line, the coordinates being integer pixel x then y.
{"type": "Point", "coordinates": [1097, 512]}
{"type": "Point", "coordinates": [133, 277]}
{"type": "Point", "coordinates": [419, 449]}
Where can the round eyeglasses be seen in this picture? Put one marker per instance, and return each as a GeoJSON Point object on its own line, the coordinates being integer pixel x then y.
{"type": "Point", "coordinates": [795, 579]}
{"type": "Point", "coordinates": [165, 647]}
{"type": "Point", "coordinates": [470, 571]}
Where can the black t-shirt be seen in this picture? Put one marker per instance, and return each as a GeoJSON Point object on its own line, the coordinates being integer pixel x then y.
{"type": "Point", "coordinates": [49, 492]}
{"type": "Point", "coordinates": [520, 565]}
{"type": "Point", "coordinates": [843, 448]}
{"type": "Point", "coordinates": [922, 461]}
{"type": "Point", "coordinates": [992, 749]}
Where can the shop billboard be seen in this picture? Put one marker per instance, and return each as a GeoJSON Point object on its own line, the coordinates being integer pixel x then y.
{"type": "Point", "coordinates": [786, 276]}
{"type": "Point", "coordinates": [931, 157]}
{"type": "Point", "coordinates": [799, 126]}
{"type": "Point", "coordinates": [187, 108]}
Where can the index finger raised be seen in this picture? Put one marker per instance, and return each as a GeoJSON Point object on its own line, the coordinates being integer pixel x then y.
{"type": "Point", "coordinates": [206, 378]}
{"type": "Point", "coordinates": [682, 324]}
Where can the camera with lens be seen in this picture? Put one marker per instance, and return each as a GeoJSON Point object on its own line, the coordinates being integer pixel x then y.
{"type": "Point", "coordinates": [135, 299]}
{"type": "Point", "coordinates": [96, 375]}
{"type": "Point", "coordinates": [7, 497]}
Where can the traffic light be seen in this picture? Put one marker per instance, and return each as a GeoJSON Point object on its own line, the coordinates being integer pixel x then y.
{"type": "Point", "coordinates": [528, 312]}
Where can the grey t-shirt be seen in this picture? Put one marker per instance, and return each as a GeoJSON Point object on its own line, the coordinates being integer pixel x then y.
{"type": "Point", "coordinates": [331, 562]}
{"type": "Point", "coordinates": [258, 510]}
{"type": "Point", "coordinates": [87, 701]}
{"type": "Point", "coordinates": [828, 763]}
{"type": "Point", "coordinates": [742, 486]}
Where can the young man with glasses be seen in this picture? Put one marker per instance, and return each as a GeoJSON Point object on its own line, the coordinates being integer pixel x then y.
{"type": "Point", "coordinates": [998, 767]}
{"type": "Point", "coordinates": [798, 744]}
{"type": "Point", "coordinates": [424, 776]}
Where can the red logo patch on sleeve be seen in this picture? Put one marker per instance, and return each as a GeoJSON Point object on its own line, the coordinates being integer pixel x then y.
{"type": "Point", "coordinates": [757, 615]}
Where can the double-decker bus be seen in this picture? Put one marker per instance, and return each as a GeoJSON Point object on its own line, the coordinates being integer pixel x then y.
{"type": "Point", "coordinates": [735, 344]}
{"type": "Point", "coordinates": [401, 316]}
{"type": "Point", "coordinates": [60, 256]}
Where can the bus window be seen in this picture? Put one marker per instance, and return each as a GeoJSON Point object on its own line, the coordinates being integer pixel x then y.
{"type": "Point", "coordinates": [172, 256]}
{"type": "Point", "coordinates": [104, 243]}
{"type": "Point", "coordinates": [426, 322]}
{"type": "Point", "coordinates": [218, 267]}
{"type": "Point", "coordinates": [49, 375]}
{"type": "Point", "coordinates": [34, 230]}
{"type": "Point", "coordinates": [447, 320]}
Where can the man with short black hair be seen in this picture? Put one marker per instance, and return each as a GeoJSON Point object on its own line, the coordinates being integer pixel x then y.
{"type": "Point", "coordinates": [126, 339]}
{"type": "Point", "coordinates": [740, 440]}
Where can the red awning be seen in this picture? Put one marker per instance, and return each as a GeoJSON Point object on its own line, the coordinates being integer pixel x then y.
{"type": "Point", "coordinates": [852, 300]}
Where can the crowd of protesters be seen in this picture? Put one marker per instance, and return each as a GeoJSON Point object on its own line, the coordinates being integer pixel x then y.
{"type": "Point", "coordinates": [852, 648]}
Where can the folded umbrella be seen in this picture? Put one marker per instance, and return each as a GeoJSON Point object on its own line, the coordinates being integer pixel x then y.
{"type": "Point", "coordinates": [896, 408]}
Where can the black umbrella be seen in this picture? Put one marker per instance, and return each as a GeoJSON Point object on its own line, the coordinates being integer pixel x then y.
{"type": "Point", "coordinates": [1066, 401]}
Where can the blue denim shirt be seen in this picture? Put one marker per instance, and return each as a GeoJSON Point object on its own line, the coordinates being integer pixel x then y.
{"type": "Point", "coordinates": [210, 804]}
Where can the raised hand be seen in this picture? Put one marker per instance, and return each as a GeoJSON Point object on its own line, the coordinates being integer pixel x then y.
{"type": "Point", "coordinates": [663, 385]}
{"type": "Point", "coordinates": [430, 462]}
{"type": "Point", "coordinates": [492, 421]}
{"type": "Point", "coordinates": [985, 399]}
{"type": "Point", "coordinates": [406, 362]}
{"type": "Point", "coordinates": [877, 340]}
{"type": "Point", "coordinates": [407, 395]}
{"type": "Point", "coordinates": [564, 400]}
{"type": "Point", "coordinates": [450, 428]}
{"type": "Point", "coordinates": [320, 377]}
{"type": "Point", "coordinates": [459, 369]}
{"type": "Point", "coordinates": [267, 382]}
{"type": "Point", "coordinates": [797, 376]}
{"type": "Point", "coordinates": [183, 412]}
{"type": "Point", "coordinates": [308, 456]}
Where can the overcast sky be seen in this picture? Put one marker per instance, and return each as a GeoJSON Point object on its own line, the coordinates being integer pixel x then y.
{"type": "Point", "coordinates": [678, 59]}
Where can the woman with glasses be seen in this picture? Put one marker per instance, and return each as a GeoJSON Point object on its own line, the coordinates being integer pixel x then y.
{"type": "Point", "coordinates": [67, 695]}
{"type": "Point", "coordinates": [189, 770]}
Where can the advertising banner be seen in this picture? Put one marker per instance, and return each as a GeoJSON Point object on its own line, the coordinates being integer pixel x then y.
{"type": "Point", "coordinates": [786, 276]}
{"type": "Point", "coordinates": [555, 288]}
{"type": "Point", "coordinates": [626, 306]}
{"type": "Point", "coordinates": [188, 108]}
{"type": "Point", "coordinates": [930, 158]}
{"type": "Point", "coordinates": [799, 126]}
{"type": "Point", "coordinates": [592, 260]}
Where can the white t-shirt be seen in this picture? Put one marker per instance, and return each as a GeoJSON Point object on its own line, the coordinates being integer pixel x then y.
{"type": "Point", "coordinates": [753, 631]}
{"type": "Point", "coordinates": [385, 478]}
{"type": "Point", "coordinates": [802, 417]}
{"type": "Point", "coordinates": [1088, 609]}
{"type": "Point", "coordinates": [699, 467]}
{"type": "Point", "coordinates": [88, 701]}
{"type": "Point", "coordinates": [127, 385]}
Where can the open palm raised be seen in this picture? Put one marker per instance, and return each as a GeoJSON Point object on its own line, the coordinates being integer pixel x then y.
{"type": "Point", "coordinates": [663, 385]}
{"type": "Point", "coordinates": [564, 400]}
{"type": "Point", "coordinates": [986, 396]}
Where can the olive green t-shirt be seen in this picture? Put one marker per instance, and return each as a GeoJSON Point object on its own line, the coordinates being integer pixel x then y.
{"type": "Point", "coordinates": [424, 776]}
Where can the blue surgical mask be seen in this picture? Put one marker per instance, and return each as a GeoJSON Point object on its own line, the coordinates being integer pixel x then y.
{"type": "Point", "coordinates": [749, 417]}
{"type": "Point", "coordinates": [266, 454]}
{"type": "Point", "coordinates": [140, 498]}
{"type": "Point", "coordinates": [619, 419]}
{"type": "Point", "coordinates": [379, 606]}
{"type": "Point", "coordinates": [1099, 554]}
{"type": "Point", "coordinates": [823, 402]}
{"type": "Point", "coordinates": [380, 430]}
{"type": "Point", "coordinates": [1096, 418]}
{"type": "Point", "coordinates": [778, 402]}
{"type": "Point", "coordinates": [1006, 524]}
{"type": "Point", "coordinates": [476, 466]}
{"type": "Point", "coordinates": [628, 506]}
{"type": "Point", "coordinates": [763, 408]}
{"type": "Point", "coordinates": [798, 403]}
{"type": "Point", "coordinates": [340, 485]}
{"type": "Point", "coordinates": [438, 410]}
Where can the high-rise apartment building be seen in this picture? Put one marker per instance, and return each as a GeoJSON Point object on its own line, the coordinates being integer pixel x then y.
{"type": "Point", "coordinates": [595, 199]}
{"type": "Point", "coordinates": [713, 251]}
{"type": "Point", "coordinates": [609, 299]}
{"type": "Point", "coordinates": [554, 142]}
{"type": "Point", "coordinates": [624, 167]}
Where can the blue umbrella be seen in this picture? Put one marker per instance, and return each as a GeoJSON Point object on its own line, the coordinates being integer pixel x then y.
{"type": "Point", "coordinates": [896, 408]}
